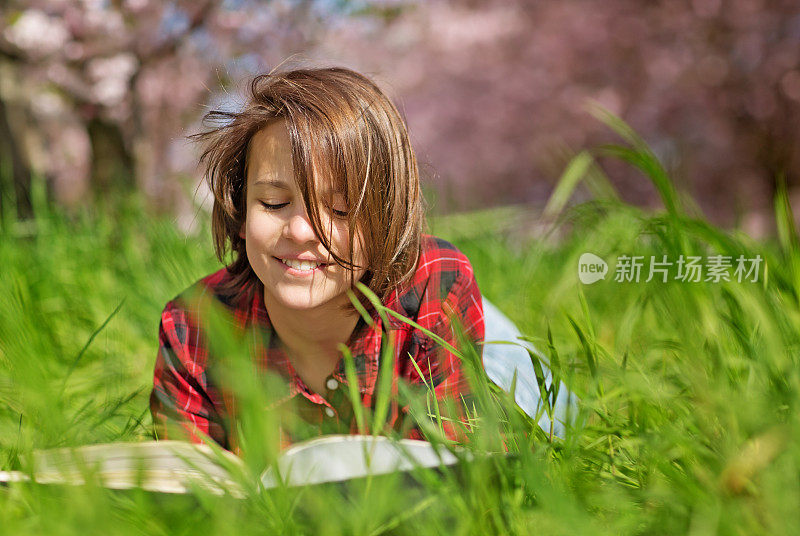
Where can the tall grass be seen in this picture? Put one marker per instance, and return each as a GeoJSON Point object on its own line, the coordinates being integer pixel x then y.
{"type": "Point", "coordinates": [687, 421]}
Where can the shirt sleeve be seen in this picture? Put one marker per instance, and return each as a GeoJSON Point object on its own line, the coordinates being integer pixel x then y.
{"type": "Point", "coordinates": [444, 371]}
{"type": "Point", "coordinates": [181, 402]}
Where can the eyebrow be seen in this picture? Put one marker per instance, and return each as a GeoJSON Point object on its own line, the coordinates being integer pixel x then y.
{"type": "Point", "coordinates": [281, 185]}
{"type": "Point", "coordinates": [272, 182]}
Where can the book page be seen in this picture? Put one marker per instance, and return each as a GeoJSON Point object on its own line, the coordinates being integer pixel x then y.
{"type": "Point", "coordinates": [343, 457]}
{"type": "Point", "coordinates": [164, 466]}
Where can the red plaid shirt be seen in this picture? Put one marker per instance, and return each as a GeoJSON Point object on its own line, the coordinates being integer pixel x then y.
{"type": "Point", "coordinates": [186, 392]}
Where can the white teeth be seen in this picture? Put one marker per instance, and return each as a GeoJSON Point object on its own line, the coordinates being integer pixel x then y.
{"type": "Point", "coordinates": [301, 265]}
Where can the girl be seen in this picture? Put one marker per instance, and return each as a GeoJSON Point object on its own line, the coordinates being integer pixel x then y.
{"type": "Point", "coordinates": [315, 188]}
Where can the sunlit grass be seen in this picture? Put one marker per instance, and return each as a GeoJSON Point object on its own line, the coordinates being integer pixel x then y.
{"type": "Point", "coordinates": [688, 391]}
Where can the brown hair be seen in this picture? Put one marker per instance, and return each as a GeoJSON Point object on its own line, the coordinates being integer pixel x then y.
{"type": "Point", "coordinates": [340, 123]}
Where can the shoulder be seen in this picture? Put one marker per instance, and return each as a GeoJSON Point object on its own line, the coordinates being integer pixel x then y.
{"type": "Point", "coordinates": [437, 255]}
{"type": "Point", "coordinates": [184, 310]}
{"type": "Point", "coordinates": [442, 268]}
{"type": "Point", "coordinates": [217, 285]}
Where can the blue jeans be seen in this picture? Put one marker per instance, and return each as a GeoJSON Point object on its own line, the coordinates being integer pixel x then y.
{"type": "Point", "coordinates": [500, 361]}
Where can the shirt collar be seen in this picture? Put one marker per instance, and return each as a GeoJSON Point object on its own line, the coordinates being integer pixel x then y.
{"type": "Point", "coordinates": [365, 348]}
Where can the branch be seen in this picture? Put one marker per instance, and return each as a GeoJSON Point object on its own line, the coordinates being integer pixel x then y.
{"type": "Point", "coordinates": [10, 52]}
{"type": "Point", "coordinates": [169, 46]}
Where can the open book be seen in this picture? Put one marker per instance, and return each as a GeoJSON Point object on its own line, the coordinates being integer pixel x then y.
{"type": "Point", "coordinates": [178, 466]}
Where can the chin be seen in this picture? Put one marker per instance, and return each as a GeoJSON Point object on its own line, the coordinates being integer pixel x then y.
{"type": "Point", "coordinates": [301, 302]}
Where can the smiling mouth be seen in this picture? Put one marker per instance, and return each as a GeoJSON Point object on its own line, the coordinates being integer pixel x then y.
{"type": "Point", "coordinates": [302, 266]}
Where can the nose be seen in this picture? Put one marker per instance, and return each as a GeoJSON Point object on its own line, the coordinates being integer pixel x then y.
{"type": "Point", "coordinates": [298, 227]}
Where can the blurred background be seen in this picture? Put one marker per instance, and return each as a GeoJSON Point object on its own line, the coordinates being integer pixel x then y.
{"type": "Point", "coordinates": [97, 96]}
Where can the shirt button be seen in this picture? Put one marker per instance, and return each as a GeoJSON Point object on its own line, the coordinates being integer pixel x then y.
{"type": "Point", "coordinates": [329, 412]}
{"type": "Point", "coordinates": [332, 384]}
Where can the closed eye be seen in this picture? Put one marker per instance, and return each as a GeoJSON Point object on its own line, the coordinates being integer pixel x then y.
{"type": "Point", "coordinates": [273, 207]}
{"type": "Point", "coordinates": [278, 206]}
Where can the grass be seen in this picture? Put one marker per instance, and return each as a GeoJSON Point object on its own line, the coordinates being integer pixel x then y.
{"type": "Point", "coordinates": [689, 391]}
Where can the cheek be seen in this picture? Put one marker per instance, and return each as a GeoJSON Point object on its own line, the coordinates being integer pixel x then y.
{"type": "Point", "coordinates": [342, 244]}
{"type": "Point", "coordinates": [260, 228]}
{"type": "Point", "coordinates": [358, 249]}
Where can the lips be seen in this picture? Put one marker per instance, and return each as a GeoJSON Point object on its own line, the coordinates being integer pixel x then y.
{"type": "Point", "coordinates": [301, 266]}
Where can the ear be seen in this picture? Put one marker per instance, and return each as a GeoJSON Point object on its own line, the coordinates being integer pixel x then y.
{"type": "Point", "coordinates": [241, 232]}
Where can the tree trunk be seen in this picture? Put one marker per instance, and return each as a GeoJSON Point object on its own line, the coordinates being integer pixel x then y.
{"type": "Point", "coordinates": [112, 163]}
{"type": "Point", "coordinates": [10, 150]}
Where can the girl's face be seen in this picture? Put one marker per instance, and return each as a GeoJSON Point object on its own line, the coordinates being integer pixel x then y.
{"type": "Point", "coordinates": [295, 268]}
